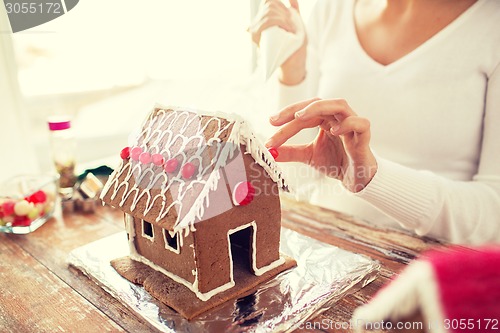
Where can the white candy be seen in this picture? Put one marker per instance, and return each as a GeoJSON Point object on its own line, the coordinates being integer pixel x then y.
{"type": "Point", "coordinates": [23, 208]}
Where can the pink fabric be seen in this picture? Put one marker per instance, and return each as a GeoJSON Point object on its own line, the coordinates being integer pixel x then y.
{"type": "Point", "coordinates": [469, 285]}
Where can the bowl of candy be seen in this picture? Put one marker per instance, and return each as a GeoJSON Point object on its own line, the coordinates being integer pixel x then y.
{"type": "Point", "coordinates": [27, 202]}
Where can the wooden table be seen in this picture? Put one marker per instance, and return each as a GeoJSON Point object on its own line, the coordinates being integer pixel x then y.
{"type": "Point", "coordinates": [40, 293]}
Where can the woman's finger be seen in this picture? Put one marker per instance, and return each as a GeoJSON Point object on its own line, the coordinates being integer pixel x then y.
{"type": "Point", "coordinates": [276, 5]}
{"type": "Point", "coordinates": [294, 4]}
{"type": "Point", "coordinates": [328, 123]}
{"type": "Point", "coordinates": [271, 13]}
{"type": "Point", "coordinates": [337, 108]}
{"type": "Point", "coordinates": [351, 124]}
{"type": "Point", "coordinates": [289, 130]}
{"type": "Point", "coordinates": [288, 113]}
{"type": "Point", "coordinates": [295, 153]}
{"type": "Point", "coordinates": [277, 21]}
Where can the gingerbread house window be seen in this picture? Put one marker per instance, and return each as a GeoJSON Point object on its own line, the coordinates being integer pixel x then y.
{"type": "Point", "coordinates": [147, 230]}
{"type": "Point", "coordinates": [171, 241]}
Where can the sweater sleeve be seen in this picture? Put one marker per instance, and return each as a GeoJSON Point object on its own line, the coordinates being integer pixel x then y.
{"type": "Point", "coordinates": [460, 211]}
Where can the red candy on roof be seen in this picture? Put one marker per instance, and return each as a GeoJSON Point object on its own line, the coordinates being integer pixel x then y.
{"type": "Point", "coordinates": [243, 193]}
{"type": "Point", "coordinates": [171, 165]}
{"type": "Point", "coordinates": [158, 159]}
{"type": "Point", "coordinates": [274, 152]}
{"type": "Point", "coordinates": [145, 158]}
{"type": "Point", "coordinates": [125, 153]}
{"type": "Point", "coordinates": [188, 170]}
{"type": "Point", "coordinates": [135, 153]}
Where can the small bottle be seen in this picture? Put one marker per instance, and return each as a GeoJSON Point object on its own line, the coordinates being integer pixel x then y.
{"type": "Point", "coordinates": [63, 146]}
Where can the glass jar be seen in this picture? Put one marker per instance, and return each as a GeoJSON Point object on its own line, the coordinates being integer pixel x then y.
{"type": "Point", "coordinates": [27, 202]}
{"type": "Point", "coordinates": [63, 147]}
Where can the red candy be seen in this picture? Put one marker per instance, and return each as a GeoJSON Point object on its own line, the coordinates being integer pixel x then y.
{"type": "Point", "coordinates": [37, 197]}
{"type": "Point", "coordinates": [125, 153]}
{"type": "Point", "coordinates": [158, 159]}
{"type": "Point", "coordinates": [145, 158]}
{"type": "Point", "coordinates": [171, 165]}
{"type": "Point", "coordinates": [188, 170]}
{"type": "Point", "coordinates": [8, 207]}
{"type": "Point", "coordinates": [135, 153]}
{"type": "Point", "coordinates": [21, 221]}
{"type": "Point", "coordinates": [243, 193]}
{"type": "Point", "coordinates": [274, 152]}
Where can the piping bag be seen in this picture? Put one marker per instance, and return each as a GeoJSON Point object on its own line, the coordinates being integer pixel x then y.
{"type": "Point", "coordinates": [277, 44]}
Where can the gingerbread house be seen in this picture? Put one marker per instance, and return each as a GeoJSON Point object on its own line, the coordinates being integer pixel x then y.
{"type": "Point", "coordinates": [200, 195]}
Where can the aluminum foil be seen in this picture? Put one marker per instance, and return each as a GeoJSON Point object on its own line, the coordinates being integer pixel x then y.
{"type": "Point", "coordinates": [324, 274]}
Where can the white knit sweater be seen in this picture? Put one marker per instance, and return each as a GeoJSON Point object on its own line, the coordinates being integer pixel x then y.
{"type": "Point", "coordinates": [435, 121]}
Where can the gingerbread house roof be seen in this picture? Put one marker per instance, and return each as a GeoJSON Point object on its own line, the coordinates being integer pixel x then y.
{"type": "Point", "coordinates": [199, 144]}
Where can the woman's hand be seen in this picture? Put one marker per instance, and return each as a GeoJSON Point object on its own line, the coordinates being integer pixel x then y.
{"type": "Point", "coordinates": [275, 13]}
{"type": "Point", "coordinates": [341, 149]}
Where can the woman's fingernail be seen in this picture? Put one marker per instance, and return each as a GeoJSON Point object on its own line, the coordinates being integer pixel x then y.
{"type": "Point", "coordinates": [334, 129]}
{"type": "Point", "coordinates": [275, 117]}
{"type": "Point", "coordinates": [299, 114]}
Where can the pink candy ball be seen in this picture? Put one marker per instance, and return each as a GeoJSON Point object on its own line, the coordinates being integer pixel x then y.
{"type": "Point", "coordinates": [171, 165]}
{"type": "Point", "coordinates": [145, 158]}
{"type": "Point", "coordinates": [135, 153]}
{"type": "Point", "coordinates": [158, 159]}
{"type": "Point", "coordinates": [188, 170]}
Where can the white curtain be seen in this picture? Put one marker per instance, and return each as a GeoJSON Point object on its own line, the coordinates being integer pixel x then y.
{"type": "Point", "coordinates": [16, 150]}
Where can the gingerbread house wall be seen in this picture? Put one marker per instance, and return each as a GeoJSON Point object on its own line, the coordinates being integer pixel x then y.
{"type": "Point", "coordinates": [203, 259]}
{"type": "Point", "coordinates": [180, 263]}
{"type": "Point", "coordinates": [212, 250]}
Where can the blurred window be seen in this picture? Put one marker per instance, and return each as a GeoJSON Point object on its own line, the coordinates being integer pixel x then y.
{"type": "Point", "coordinates": [105, 44]}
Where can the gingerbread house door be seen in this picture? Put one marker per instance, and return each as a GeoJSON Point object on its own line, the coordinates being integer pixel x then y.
{"type": "Point", "coordinates": [241, 241]}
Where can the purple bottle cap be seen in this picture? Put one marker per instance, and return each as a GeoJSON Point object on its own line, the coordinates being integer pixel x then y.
{"type": "Point", "coordinates": [59, 123]}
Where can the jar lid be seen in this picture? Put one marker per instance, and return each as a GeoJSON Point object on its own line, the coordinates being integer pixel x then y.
{"type": "Point", "coordinates": [59, 123]}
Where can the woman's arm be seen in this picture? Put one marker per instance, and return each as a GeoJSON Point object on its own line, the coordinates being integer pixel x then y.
{"type": "Point", "coordinates": [460, 211]}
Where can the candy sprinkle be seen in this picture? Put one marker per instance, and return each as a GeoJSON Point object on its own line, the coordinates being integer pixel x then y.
{"type": "Point", "coordinates": [125, 153]}
{"type": "Point", "coordinates": [145, 158]}
{"type": "Point", "coordinates": [171, 165]}
{"type": "Point", "coordinates": [135, 153]}
{"type": "Point", "coordinates": [158, 159]}
{"type": "Point", "coordinates": [243, 193]}
{"type": "Point", "coordinates": [188, 170]}
{"type": "Point", "coordinates": [274, 152]}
